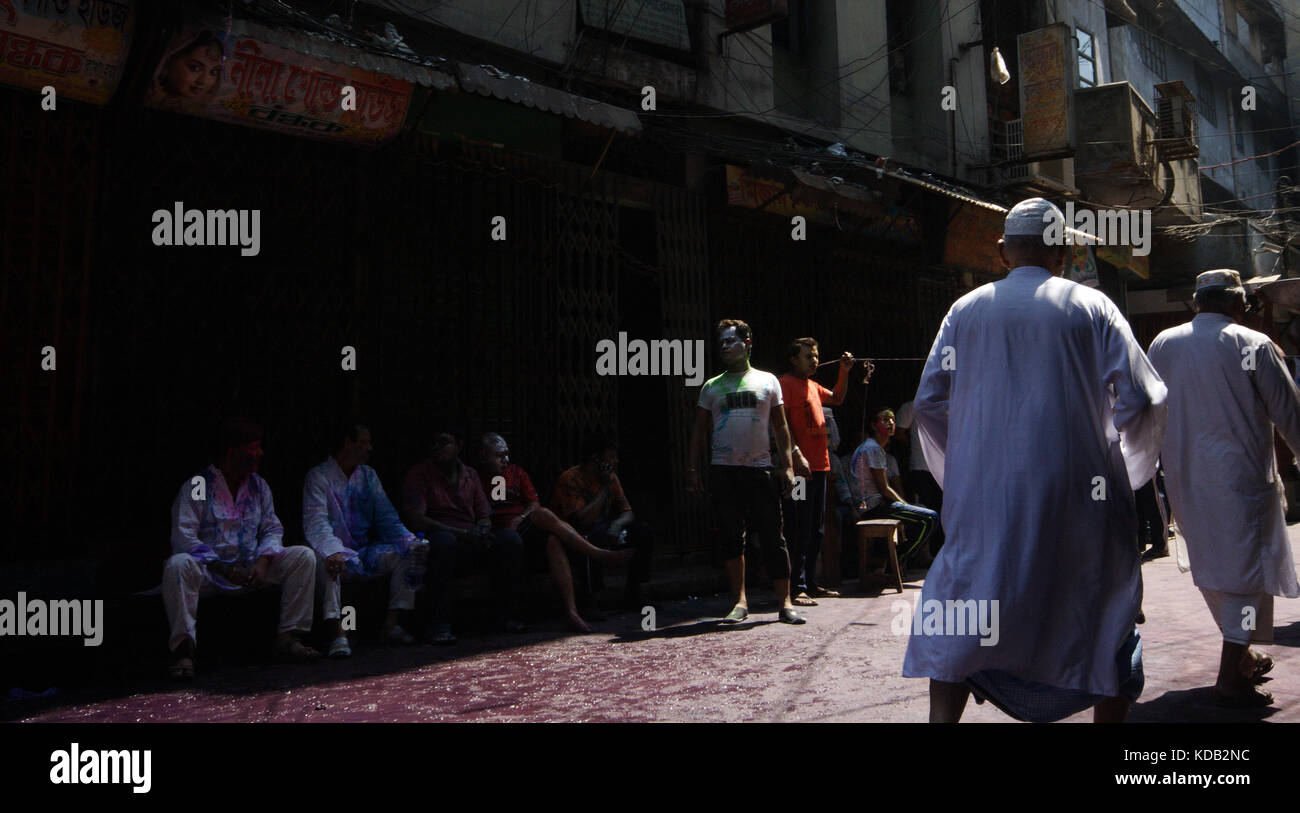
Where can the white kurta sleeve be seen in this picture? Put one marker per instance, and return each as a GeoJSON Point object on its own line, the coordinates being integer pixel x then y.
{"type": "Point", "coordinates": [187, 515]}
{"type": "Point", "coordinates": [1140, 398]}
{"type": "Point", "coordinates": [269, 530]}
{"type": "Point", "coordinates": [386, 520]}
{"type": "Point", "coordinates": [1279, 393]}
{"type": "Point", "coordinates": [930, 406]}
{"type": "Point", "coordinates": [316, 517]}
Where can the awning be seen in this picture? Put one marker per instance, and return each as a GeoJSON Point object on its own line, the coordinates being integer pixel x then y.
{"type": "Point", "coordinates": [1121, 9]}
{"type": "Point", "coordinates": [933, 187]}
{"type": "Point", "coordinates": [322, 47]}
{"type": "Point", "coordinates": [486, 80]}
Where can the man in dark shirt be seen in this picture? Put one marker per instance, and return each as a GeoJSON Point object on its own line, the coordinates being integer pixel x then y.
{"type": "Point", "coordinates": [443, 498]}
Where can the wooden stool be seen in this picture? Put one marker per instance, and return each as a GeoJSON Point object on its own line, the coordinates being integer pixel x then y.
{"type": "Point", "coordinates": [889, 530]}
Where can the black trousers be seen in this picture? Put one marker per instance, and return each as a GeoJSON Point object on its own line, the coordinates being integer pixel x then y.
{"type": "Point", "coordinates": [803, 533]}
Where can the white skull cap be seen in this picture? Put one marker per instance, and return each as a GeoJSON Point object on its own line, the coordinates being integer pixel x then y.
{"type": "Point", "coordinates": [1031, 217]}
{"type": "Point", "coordinates": [1219, 278]}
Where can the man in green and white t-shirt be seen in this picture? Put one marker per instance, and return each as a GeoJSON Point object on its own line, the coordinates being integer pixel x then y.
{"type": "Point", "coordinates": [739, 406]}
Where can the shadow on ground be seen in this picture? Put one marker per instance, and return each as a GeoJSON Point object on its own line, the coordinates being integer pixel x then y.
{"type": "Point", "coordinates": [1193, 706]}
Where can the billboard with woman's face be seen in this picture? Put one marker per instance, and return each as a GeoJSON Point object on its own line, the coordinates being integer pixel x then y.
{"type": "Point", "coordinates": [242, 73]}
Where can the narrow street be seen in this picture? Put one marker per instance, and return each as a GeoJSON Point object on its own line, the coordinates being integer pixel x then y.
{"type": "Point", "coordinates": [844, 665]}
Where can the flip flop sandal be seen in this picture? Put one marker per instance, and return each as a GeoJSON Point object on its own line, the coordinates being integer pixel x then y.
{"type": "Point", "coordinates": [1263, 665]}
{"type": "Point", "coordinates": [736, 615]}
{"type": "Point", "coordinates": [789, 616]}
{"type": "Point", "coordinates": [1254, 698]}
{"type": "Point", "coordinates": [296, 652]}
{"type": "Point", "coordinates": [398, 637]}
{"type": "Point", "coordinates": [823, 592]}
{"type": "Point", "coordinates": [802, 600]}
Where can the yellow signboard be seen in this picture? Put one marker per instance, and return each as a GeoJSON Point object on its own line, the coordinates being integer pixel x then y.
{"type": "Point", "coordinates": [1046, 98]}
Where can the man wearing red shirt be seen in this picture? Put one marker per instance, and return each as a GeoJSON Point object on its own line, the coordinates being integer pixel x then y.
{"type": "Point", "coordinates": [443, 498]}
{"type": "Point", "coordinates": [590, 497]}
{"type": "Point", "coordinates": [804, 399]}
{"type": "Point", "coordinates": [515, 507]}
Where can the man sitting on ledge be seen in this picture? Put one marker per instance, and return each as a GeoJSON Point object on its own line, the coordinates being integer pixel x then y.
{"type": "Point", "coordinates": [343, 503]}
{"type": "Point", "coordinates": [515, 507]}
{"type": "Point", "coordinates": [444, 498]}
{"type": "Point", "coordinates": [590, 497]}
{"type": "Point", "coordinates": [226, 537]}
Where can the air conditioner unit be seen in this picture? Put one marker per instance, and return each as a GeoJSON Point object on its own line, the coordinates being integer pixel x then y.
{"type": "Point", "coordinates": [1176, 112]}
{"type": "Point", "coordinates": [1047, 176]}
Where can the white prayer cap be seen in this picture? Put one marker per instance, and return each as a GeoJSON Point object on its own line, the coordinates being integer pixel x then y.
{"type": "Point", "coordinates": [1219, 278]}
{"type": "Point", "coordinates": [1031, 218]}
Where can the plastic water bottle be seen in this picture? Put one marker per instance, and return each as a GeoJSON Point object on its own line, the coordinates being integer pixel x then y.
{"type": "Point", "coordinates": [419, 562]}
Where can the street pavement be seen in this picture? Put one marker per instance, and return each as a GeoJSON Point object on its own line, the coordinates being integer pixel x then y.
{"type": "Point", "coordinates": [842, 666]}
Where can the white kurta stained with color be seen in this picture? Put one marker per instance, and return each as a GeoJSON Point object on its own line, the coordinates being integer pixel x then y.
{"type": "Point", "coordinates": [1037, 409]}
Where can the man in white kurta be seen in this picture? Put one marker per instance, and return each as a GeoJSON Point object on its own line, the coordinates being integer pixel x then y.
{"type": "Point", "coordinates": [1228, 388]}
{"type": "Point", "coordinates": [1038, 414]}
{"type": "Point", "coordinates": [343, 505]}
{"type": "Point", "coordinates": [226, 538]}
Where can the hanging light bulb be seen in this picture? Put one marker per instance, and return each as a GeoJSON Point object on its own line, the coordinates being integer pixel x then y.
{"type": "Point", "coordinates": [998, 68]}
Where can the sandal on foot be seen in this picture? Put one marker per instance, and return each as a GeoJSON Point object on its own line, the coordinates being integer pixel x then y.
{"type": "Point", "coordinates": [295, 652]}
{"type": "Point", "coordinates": [181, 669]}
{"type": "Point", "coordinates": [340, 648]}
{"type": "Point", "coordinates": [823, 592]}
{"type": "Point", "coordinates": [398, 636]}
{"type": "Point", "coordinates": [1263, 665]}
{"type": "Point", "coordinates": [1250, 699]}
{"type": "Point", "coordinates": [441, 636]}
{"type": "Point", "coordinates": [802, 600]}
{"type": "Point", "coordinates": [789, 616]}
{"type": "Point", "coordinates": [736, 615]}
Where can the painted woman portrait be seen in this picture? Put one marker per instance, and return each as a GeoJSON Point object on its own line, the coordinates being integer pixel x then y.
{"type": "Point", "coordinates": [193, 72]}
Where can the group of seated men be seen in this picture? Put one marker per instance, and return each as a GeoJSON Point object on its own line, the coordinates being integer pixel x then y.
{"type": "Point", "coordinates": [226, 536]}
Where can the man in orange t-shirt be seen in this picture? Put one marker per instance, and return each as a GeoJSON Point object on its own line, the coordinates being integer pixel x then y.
{"type": "Point", "coordinates": [804, 399]}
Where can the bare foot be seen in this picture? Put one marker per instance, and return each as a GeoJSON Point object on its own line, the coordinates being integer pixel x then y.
{"type": "Point", "coordinates": [577, 624]}
{"type": "Point", "coordinates": [616, 556]}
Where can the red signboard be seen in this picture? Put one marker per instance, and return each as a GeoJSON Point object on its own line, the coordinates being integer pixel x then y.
{"type": "Point", "coordinates": [241, 73]}
{"type": "Point", "coordinates": [78, 48]}
{"type": "Point", "coordinates": [743, 15]}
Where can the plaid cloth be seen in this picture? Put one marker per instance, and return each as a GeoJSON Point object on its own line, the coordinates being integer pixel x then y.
{"type": "Point", "coordinates": [1039, 703]}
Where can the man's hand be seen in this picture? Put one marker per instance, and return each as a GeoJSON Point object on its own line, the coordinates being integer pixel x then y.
{"type": "Point", "coordinates": [846, 361]}
{"type": "Point", "coordinates": [334, 564]}
{"type": "Point", "coordinates": [692, 481]}
{"type": "Point", "coordinates": [257, 575]}
{"type": "Point", "coordinates": [483, 533]}
{"type": "Point", "coordinates": [801, 466]}
{"type": "Point", "coordinates": [787, 481]}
